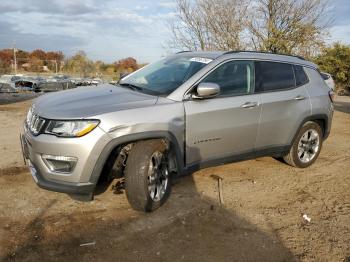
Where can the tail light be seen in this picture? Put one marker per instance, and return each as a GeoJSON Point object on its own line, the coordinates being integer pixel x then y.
{"type": "Point", "coordinates": [331, 96]}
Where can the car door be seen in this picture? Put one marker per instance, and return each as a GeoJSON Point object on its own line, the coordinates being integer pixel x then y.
{"type": "Point", "coordinates": [284, 103]}
{"type": "Point", "coordinates": [224, 126]}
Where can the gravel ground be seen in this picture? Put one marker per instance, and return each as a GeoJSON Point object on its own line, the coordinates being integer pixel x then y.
{"type": "Point", "coordinates": [261, 219]}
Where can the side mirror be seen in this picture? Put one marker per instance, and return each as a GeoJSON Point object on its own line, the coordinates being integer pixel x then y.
{"type": "Point", "coordinates": [207, 90]}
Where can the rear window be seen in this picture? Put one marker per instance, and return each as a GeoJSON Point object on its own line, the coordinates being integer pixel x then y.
{"type": "Point", "coordinates": [300, 76]}
{"type": "Point", "coordinates": [274, 76]}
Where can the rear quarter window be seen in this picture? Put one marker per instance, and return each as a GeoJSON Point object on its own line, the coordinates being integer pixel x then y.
{"type": "Point", "coordinates": [300, 75]}
{"type": "Point", "coordinates": [315, 77]}
{"type": "Point", "coordinates": [325, 76]}
{"type": "Point", "coordinates": [274, 76]}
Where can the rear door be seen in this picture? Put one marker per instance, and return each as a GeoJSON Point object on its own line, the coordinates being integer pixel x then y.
{"type": "Point", "coordinates": [284, 101]}
{"type": "Point", "coordinates": [226, 125]}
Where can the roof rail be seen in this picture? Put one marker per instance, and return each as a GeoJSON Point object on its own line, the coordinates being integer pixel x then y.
{"type": "Point", "coordinates": [183, 52]}
{"type": "Point", "coordinates": [262, 52]}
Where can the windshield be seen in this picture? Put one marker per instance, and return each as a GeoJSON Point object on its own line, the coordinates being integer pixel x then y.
{"type": "Point", "coordinates": [164, 76]}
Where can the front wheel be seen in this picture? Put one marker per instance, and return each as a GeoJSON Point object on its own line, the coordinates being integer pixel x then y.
{"type": "Point", "coordinates": [147, 180]}
{"type": "Point", "coordinates": [306, 146]}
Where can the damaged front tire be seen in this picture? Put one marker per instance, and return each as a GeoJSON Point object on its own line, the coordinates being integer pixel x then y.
{"type": "Point", "coordinates": [147, 176]}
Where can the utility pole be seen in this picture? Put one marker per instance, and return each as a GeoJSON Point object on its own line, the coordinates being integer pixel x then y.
{"type": "Point", "coordinates": [56, 65]}
{"type": "Point", "coordinates": [14, 58]}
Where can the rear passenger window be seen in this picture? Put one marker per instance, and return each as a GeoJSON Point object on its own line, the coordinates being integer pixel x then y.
{"type": "Point", "coordinates": [300, 76]}
{"type": "Point", "coordinates": [274, 76]}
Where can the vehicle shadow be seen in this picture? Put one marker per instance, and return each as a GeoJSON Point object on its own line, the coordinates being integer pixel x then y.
{"type": "Point", "coordinates": [189, 227]}
{"type": "Point", "coordinates": [32, 232]}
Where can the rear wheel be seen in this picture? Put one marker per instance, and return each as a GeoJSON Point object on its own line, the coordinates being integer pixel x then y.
{"type": "Point", "coordinates": [147, 180]}
{"type": "Point", "coordinates": [306, 146]}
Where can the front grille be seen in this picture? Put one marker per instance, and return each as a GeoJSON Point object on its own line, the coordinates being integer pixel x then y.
{"type": "Point", "coordinates": [34, 122]}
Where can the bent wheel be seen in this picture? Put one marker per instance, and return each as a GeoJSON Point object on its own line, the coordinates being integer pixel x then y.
{"type": "Point", "coordinates": [147, 180]}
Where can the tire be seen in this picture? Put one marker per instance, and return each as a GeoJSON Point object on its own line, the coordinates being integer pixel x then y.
{"type": "Point", "coordinates": [142, 159]}
{"type": "Point", "coordinates": [310, 131]}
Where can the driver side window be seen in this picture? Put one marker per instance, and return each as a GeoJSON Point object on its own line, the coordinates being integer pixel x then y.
{"type": "Point", "coordinates": [234, 78]}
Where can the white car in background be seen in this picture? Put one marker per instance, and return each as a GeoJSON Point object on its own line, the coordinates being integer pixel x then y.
{"type": "Point", "coordinates": [7, 83]}
{"type": "Point", "coordinates": [329, 80]}
{"type": "Point", "coordinates": [96, 81]}
{"type": "Point", "coordinates": [8, 79]}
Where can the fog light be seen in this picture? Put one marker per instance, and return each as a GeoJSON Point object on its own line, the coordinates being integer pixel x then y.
{"type": "Point", "coordinates": [61, 164]}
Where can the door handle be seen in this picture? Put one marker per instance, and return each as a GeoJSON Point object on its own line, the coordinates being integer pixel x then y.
{"type": "Point", "coordinates": [299, 97]}
{"type": "Point", "coordinates": [249, 104]}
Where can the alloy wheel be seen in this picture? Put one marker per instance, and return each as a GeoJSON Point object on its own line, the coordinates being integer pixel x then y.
{"type": "Point", "coordinates": [308, 146]}
{"type": "Point", "coordinates": [158, 176]}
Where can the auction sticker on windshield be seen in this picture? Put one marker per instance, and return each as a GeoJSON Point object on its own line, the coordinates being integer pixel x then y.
{"type": "Point", "coordinates": [201, 60]}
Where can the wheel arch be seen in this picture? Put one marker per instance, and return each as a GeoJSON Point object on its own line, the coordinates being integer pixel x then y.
{"type": "Point", "coordinates": [321, 119]}
{"type": "Point", "coordinates": [132, 138]}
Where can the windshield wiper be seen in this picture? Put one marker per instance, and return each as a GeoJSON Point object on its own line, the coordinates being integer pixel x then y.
{"type": "Point", "coordinates": [131, 86]}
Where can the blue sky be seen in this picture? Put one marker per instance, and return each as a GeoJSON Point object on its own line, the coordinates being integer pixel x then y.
{"type": "Point", "coordinates": [107, 29]}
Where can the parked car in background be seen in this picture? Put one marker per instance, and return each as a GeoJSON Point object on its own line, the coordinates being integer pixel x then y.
{"type": "Point", "coordinates": [87, 81]}
{"type": "Point", "coordinates": [7, 88]}
{"type": "Point", "coordinates": [7, 83]}
{"type": "Point", "coordinates": [329, 80]}
{"type": "Point", "coordinates": [25, 84]}
{"type": "Point", "coordinates": [29, 83]}
{"type": "Point", "coordinates": [114, 82]}
{"type": "Point", "coordinates": [77, 81]}
{"type": "Point", "coordinates": [185, 112]}
{"type": "Point", "coordinates": [9, 78]}
{"type": "Point", "coordinates": [96, 81]}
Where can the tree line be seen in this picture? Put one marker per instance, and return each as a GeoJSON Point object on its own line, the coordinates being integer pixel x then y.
{"type": "Point", "coordinates": [335, 60]}
{"type": "Point", "coordinates": [39, 61]}
{"type": "Point", "coordinates": [80, 64]}
{"type": "Point", "coordinates": [30, 61]}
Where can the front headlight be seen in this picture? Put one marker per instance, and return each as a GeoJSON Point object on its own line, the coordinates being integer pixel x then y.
{"type": "Point", "coordinates": [67, 128]}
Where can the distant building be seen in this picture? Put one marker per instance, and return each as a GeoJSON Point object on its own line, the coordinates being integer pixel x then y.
{"type": "Point", "coordinates": [26, 66]}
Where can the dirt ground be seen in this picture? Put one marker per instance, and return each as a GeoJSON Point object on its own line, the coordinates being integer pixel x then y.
{"type": "Point", "coordinates": [261, 219]}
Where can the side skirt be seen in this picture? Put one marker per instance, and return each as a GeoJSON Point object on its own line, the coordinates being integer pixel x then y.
{"type": "Point", "coordinates": [276, 151]}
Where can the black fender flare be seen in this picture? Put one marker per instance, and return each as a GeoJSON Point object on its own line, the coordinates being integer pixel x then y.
{"type": "Point", "coordinates": [134, 138]}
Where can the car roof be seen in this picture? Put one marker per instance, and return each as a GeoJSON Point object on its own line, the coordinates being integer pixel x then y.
{"type": "Point", "coordinates": [203, 54]}
{"type": "Point", "coordinates": [248, 55]}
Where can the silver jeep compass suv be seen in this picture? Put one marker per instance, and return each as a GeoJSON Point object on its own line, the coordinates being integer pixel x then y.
{"type": "Point", "coordinates": [185, 112]}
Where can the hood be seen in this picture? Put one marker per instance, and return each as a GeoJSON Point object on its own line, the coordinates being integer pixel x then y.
{"type": "Point", "coordinates": [90, 101]}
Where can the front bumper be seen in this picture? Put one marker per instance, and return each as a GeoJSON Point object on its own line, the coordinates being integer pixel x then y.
{"type": "Point", "coordinates": [68, 188]}
{"type": "Point", "coordinates": [86, 149]}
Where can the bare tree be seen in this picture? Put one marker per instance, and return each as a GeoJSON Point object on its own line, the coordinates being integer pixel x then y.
{"type": "Point", "coordinates": [209, 24]}
{"type": "Point", "coordinates": [289, 26]}
{"type": "Point", "coordinates": [279, 26]}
